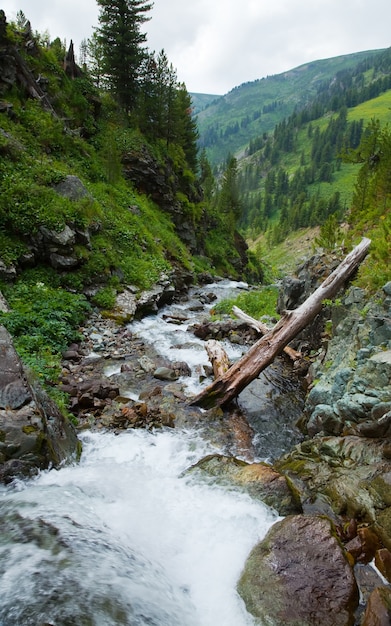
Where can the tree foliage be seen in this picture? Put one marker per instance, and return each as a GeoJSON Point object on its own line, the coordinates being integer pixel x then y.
{"type": "Point", "coordinates": [122, 46]}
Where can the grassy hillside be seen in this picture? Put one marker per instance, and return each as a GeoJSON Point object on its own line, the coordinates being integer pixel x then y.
{"type": "Point", "coordinates": [138, 215]}
{"type": "Point", "coordinates": [228, 124]}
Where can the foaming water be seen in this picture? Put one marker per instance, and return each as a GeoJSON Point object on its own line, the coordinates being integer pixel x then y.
{"type": "Point", "coordinates": [125, 537]}
{"type": "Point", "coordinates": [172, 339]}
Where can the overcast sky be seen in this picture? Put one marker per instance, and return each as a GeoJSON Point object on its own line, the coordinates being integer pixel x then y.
{"type": "Point", "coordinates": [216, 45]}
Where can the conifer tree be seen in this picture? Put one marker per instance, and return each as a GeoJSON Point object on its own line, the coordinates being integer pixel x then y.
{"type": "Point", "coordinates": [229, 203]}
{"type": "Point", "coordinates": [122, 42]}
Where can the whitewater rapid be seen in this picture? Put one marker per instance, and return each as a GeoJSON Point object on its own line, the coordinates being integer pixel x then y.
{"type": "Point", "coordinates": [125, 537]}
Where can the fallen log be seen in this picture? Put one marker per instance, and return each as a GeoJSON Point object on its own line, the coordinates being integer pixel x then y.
{"type": "Point", "coordinates": [263, 329]}
{"type": "Point", "coordinates": [229, 385]}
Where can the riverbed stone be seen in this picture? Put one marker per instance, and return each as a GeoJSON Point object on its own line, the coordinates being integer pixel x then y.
{"type": "Point", "coordinates": [260, 480]}
{"type": "Point", "coordinates": [299, 576]}
{"type": "Point", "coordinates": [383, 563]}
{"type": "Point", "coordinates": [378, 609]}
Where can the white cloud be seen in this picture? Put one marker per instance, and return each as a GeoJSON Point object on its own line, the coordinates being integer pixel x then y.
{"type": "Point", "coordinates": [218, 45]}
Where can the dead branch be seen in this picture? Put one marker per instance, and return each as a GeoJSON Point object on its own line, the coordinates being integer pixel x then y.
{"type": "Point", "coordinates": [263, 329]}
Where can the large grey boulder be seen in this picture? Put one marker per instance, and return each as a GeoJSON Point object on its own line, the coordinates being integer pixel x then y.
{"type": "Point", "coordinates": [299, 576]}
{"type": "Point", "coordinates": [34, 434]}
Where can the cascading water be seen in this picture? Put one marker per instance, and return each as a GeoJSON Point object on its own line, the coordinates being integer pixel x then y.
{"type": "Point", "coordinates": [123, 538]}
{"type": "Point", "coordinates": [126, 537]}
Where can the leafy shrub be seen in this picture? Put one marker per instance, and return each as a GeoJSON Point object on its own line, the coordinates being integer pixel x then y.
{"type": "Point", "coordinates": [43, 321]}
{"type": "Point", "coordinates": [105, 298]}
{"type": "Point", "coordinates": [257, 303]}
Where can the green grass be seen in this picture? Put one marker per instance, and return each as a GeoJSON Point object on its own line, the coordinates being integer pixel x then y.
{"type": "Point", "coordinates": [257, 304]}
{"type": "Point", "coordinates": [282, 259]}
{"type": "Point", "coordinates": [377, 108]}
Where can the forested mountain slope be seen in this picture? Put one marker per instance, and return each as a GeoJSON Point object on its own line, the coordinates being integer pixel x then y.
{"type": "Point", "coordinates": [229, 123]}
{"type": "Point", "coordinates": [309, 171]}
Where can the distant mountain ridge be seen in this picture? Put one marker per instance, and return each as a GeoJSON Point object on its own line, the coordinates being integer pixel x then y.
{"type": "Point", "coordinates": [227, 123]}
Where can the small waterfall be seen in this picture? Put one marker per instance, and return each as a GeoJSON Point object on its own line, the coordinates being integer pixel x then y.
{"type": "Point", "coordinates": [125, 538]}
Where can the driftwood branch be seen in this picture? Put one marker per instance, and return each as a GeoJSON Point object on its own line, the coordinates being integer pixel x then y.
{"type": "Point", "coordinates": [229, 385]}
{"type": "Point", "coordinates": [263, 329]}
{"type": "Point", "coordinates": [218, 357]}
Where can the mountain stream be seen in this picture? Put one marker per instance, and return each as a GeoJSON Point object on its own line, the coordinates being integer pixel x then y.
{"type": "Point", "coordinates": [125, 537]}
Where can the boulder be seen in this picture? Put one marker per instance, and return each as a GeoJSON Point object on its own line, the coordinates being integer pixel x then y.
{"type": "Point", "coordinates": [299, 576]}
{"type": "Point", "coordinates": [72, 188]}
{"type": "Point", "coordinates": [349, 472]}
{"type": "Point", "coordinates": [378, 610]}
{"type": "Point", "coordinates": [260, 480]}
{"type": "Point", "coordinates": [34, 434]}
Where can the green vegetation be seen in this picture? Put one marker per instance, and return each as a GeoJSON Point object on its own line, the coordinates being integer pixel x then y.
{"type": "Point", "coordinates": [258, 303]}
{"type": "Point", "coordinates": [318, 167]}
{"type": "Point", "coordinates": [370, 214]}
{"type": "Point", "coordinates": [43, 321]}
{"type": "Point", "coordinates": [231, 123]}
{"type": "Point", "coordinates": [151, 202]}
{"type": "Point", "coordinates": [126, 132]}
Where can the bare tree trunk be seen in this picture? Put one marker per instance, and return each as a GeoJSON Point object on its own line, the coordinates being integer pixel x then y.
{"type": "Point", "coordinates": [225, 388]}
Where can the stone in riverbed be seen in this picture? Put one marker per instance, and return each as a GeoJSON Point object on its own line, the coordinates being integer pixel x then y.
{"type": "Point", "coordinates": [260, 480]}
{"type": "Point", "coordinates": [299, 576]}
{"type": "Point", "coordinates": [378, 611]}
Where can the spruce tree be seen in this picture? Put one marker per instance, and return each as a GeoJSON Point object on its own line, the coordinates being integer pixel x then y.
{"type": "Point", "coordinates": [122, 42]}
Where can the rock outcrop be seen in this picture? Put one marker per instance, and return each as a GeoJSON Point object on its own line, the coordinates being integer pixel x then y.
{"type": "Point", "coordinates": [260, 480]}
{"type": "Point", "coordinates": [299, 575]}
{"type": "Point", "coordinates": [34, 434]}
{"type": "Point", "coordinates": [353, 374]}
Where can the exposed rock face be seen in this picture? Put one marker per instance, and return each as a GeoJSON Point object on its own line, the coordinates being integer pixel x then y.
{"type": "Point", "coordinates": [70, 67]}
{"type": "Point", "coordinates": [296, 289]}
{"type": "Point", "coordinates": [353, 393]}
{"type": "Point", "coordinates": [33, 433]}
{"type": "Point", "coordinates": [160, 182]}
{"type": "Point", "coordinates": [299, 576]}
{"type": "Point", "coordinates": [260, 480]}
{"type": "Point", "coordinates": [55, 247]}
{"type": "Point", "coordinates": [343, 476]}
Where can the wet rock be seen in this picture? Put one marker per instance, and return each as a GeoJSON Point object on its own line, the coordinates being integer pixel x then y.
{"type": "Point", "coordinates": [368, 579]}
{"type": "Point", "coordinates": [33, 433]}
{"type": "Point", "coordinates": [299, 575]}
{"type": "Point", "coordinates": [364, 546]}
{"type": "Point", "coordinates": [376, 428]}
{"type": "Point", "coordinates": [378, 610]}
{"type": "Point", "coordinates": [165, 373]}
{"type": "Point", "coordinates": [260, 480]}
{"type": "Point", "coordinates": [350, 472]}
{"type": "Point", "coordinates": [224, 329]}
{"type": "Point", "coordinates": [383, 562]}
